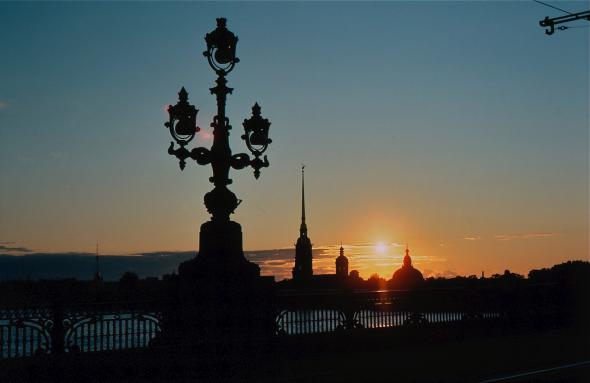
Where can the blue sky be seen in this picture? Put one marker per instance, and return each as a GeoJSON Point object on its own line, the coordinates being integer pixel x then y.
{"type": "Point", "coordinates": [421, 122]}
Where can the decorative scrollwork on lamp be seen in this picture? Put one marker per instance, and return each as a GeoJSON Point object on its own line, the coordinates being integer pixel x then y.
{"type": "Point", "coordinates": [182, 124]}
{"type": "Point", "coordinates": [256, 137]}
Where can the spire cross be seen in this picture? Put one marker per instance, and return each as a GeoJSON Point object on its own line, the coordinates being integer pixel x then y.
{"type": "Point", "coordinates": [303, 193]}
{"type": "Point", "coordinates": [303, 227]}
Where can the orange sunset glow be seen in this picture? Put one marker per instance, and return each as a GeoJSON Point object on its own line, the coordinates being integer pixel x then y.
{"type": "Point", "coordinates": [411, 151]}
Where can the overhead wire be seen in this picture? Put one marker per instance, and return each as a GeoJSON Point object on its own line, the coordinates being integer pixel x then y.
{"type": "Point", "coordinates": [554, 7]}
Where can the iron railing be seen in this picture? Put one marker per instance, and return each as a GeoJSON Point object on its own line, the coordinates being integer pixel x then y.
{"type": "Point", "coordinates": [81, 328]}
{"type": "Point", "coordinates": [99, 327]}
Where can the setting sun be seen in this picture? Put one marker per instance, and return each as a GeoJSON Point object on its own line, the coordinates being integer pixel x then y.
{"type": "Point", "coordinates": [381, 247]}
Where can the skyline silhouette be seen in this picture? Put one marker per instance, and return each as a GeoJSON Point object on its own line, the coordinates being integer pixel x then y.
{"type": "Point", "coordinates": [443, 128]}
{"type": "Point", "coordinates": [437, 126]}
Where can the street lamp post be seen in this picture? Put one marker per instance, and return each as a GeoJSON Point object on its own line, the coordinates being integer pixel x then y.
{"type": "Point", "coordinates": [220, 238]}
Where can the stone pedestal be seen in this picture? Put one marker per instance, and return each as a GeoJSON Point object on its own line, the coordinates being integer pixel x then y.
{"type": "Point", "coordinates": [220, 297]}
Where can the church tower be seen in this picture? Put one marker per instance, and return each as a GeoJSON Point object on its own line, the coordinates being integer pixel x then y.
{"type": "Point", "coordinates": [341, 265]}
{"type": "Point", "coordinates": [303, 256]}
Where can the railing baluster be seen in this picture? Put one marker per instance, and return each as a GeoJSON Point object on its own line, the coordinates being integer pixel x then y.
{"type": "Point", "coordinates": [390, 317]}
{"type": "Point", "coordinates": [32, 337]}
{"type": "Point", "coordinates": [151, 330]}
{"type": "Point", "coordinates": [108, 334]}
{"type": "Point", "coordinates": [23, 341]}
{"type": "Point", "coordinates": [304, 321]}
{"type": "Point", "coordinates": [9, 337]}
{"type": "Point", "coordinates": [316, 315]}
{"type": "Point", "coordinates": [83, 336]}
{"type": "Point", "coordinates": [1, 341]}
{"type": "Point", "coordinates": [126, 323]}
{"type": "Point", "coordinates": [122, 333]}
{"type": "Point", "coordinates": [95, 335]}
{"type": "Point", "coordinates": [380, 318]}
{"type": "Point", "coordinates": [130, 332]}
{"type": "Point", "coordinates": [144, 332]}
{"type": "Point", "coordinates": [121, 344]}
{"type": "Point", "coordinates": [147, 339]}
{"type": "Point", "coordinates": [86, 337]}
{"type": "Point", "coordinates": [115, 333]}
{"type": "Point", "coordinates": [133, 335]}
{"type": "Point", "coordinates": [103, 333]}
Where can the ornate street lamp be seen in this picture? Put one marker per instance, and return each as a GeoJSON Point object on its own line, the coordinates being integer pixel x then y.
{"type": "Point", "coordinates": [220, 237]}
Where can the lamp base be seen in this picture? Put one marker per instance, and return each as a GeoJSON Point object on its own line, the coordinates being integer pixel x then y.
{"type": "Point", "coordinates": [221, 247]}
{"type": "Point", "coordinates": [220, 296]}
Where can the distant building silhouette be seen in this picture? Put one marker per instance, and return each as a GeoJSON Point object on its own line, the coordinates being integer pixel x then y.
{"type": "Point", "coordinates": [97, 275]}
{"type": "Point", "coordinates": [407, 276]}
{"type": "Point", "coordinates": [303, 254]}
{"type": "Point", "coordinates": [342, 265]}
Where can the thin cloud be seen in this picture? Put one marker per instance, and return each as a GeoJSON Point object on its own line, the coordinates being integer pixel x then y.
{"type": "Point", "coordinates": [3, 104]}
{"type": "Point", "coordinates": [5, 246]}
{"type": "Point", "coordinates": [472, 238]}
{"type": "Point", "coordinates": [510, 237]}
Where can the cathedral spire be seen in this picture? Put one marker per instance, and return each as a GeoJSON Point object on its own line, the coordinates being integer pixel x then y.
{"type": "Point", "coordinates": [303, 249]}
{"type": "Point", "coordinates": [303, 227]}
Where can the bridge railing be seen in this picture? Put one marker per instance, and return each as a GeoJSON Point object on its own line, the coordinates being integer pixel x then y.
{"type": "Point", "coordinates": [324, 311]}
{"type": "Point", "coordinates": [95, 327]}
{"type": "Point", "coordinates": [59, 329]}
